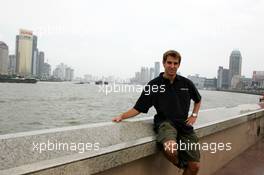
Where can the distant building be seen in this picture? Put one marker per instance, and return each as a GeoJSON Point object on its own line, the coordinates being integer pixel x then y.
{"type": "Point", "coordinates": [63, 72]}
{"type": "Point", "coordinates": [222, 78]}
{"type": "Point", "coordinates": [235, 64]}
{"type": "Point", "coordinates": [156, 69]}
{"type": "Point", "coordinates": [24, 47]}
{"type": "Point", "coordinates": [144, 74]}
{"type": "Point", "coordinates": [46, 71]}
{"type": "Point", "coordinates": [258, 75]}
{"type": "Point", "coordinates": [244, 83]}
{"type": "Point", "coordinates": [197, 81]}
{"type": "Point", "coordinates": [59, 71]}
{"type": "Point", "coordinates": [34, 55]}
{"type": "Point", "coordinates": [40, 63]}
{"type": "Point", "coordinates": [12, 65]}
{"type": "Point", "coordinates": [234, 82]}
{"type": "Point", "coordinates": [3, 58]}
{"type": "Point", "coordinates": [137, 78]}
{"type": "Point", "coordinates": [258, 79]}
{"type": "Point", "coordinates": [69, 74]}
{"type": "Point", "coordinates": [151, 73]}
{"type": "Point", "coordinates": [210, 83]}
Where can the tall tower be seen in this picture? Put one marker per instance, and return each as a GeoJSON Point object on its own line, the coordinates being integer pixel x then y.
{"type": "Point", "coordinates": [24, 47]}
{"type": "Point", "coordinates": [157, 69]}
{"type": "Point", "coordinates": [40, 63]}
{"type": "Point", "coordinates": [235, 64]}
{"type": "Point", "coordinates": [3, 58]}
{"type": "Point", "coordinates": [12, 65]}
{"type": "Point", "coordinates": [222, 78]}
{"type": "Point", "coordinates": [34, 55]}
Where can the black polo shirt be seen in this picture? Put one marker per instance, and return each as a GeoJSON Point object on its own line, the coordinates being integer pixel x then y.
{"type": "Point", "coordinates": [171, 101]}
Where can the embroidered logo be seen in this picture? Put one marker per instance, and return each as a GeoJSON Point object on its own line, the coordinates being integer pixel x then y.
{"type": "Point", "coordinates": [184, 89]}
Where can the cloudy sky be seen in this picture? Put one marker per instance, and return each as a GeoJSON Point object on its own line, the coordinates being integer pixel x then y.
{"type": "Point", "coordinates": [117, 37]}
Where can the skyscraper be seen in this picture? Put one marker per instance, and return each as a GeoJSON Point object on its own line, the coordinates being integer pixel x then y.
{"type": "Point", "coordinates": [69, 74]}
{"type": "Point", "coordinates": [12, 65]}
{"type": "Point", "coordinates": [24, 47]}
{"type": "Point", "coordinates": [3, 58]}
{"type": "Point", "coordinates": [157, 69]}
{"type": "Point", "coordinates": [34, 55]}
{"type": "Point", "coordinates": [235, 63]}
{"type": "Point", "coordinates": [151, 73]}
{"type": "Point", "coordinates": [144, 75]}
{"type": "Point", "coordinates": [40, 65]}
{"type": "Point", "coordinates": [59, 71]}
{"type": "Point", "coordinates": [222, 78]}
{"type": "Point", "coordinates": [46, 72]}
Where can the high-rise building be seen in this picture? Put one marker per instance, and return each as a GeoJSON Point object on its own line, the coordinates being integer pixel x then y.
{"type": "Point", "coordinates": [235, 81]}
{"type": "Point", "coordinates": [46, 71]}
{"type": "Point", "coordinates": [222, 78]}
{"type": "Point", "coordinates": [235, 64]}
{"type": "Point", "coordinates": [144, 75]}
{"type": "Point", "coordinates": [3, 58]}
{"type": "Point", "coordinates": [59, 72]}
{"type": "Point", "coordinates": [34, 55]}
{"type": "Point", "coordinates": [137, 77]}
{"type": "Point", "coordinates": [151, 73]}
{"type": "Point", "coordinates": [157, 69]}
{"type": "Point", "coordinates": [40, 63]}
{"type": "Point", "coordinates": [24, 47]}
{"type": "Point", "coordinates": [63, 72]}
{"type": "Point", "coordinates": [69, 74]}
{"type": "Point", "coordinates": [258, 76]}
{"type": "Point", "coordinates": [12, 65]}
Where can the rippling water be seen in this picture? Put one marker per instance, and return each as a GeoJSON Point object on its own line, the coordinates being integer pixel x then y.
{"type": "Point", "coordinates": [25, 107]}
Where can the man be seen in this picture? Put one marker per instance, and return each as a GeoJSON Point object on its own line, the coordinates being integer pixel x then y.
{"type": "Point", "coordinates": [170, 94]}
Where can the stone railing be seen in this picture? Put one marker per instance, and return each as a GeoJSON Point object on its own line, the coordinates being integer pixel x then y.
{"type": "Point", "coordinates": [128, 147]}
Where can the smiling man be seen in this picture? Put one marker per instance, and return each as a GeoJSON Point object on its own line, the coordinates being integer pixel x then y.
{"type": "Point", "coordinates": [173, 126]}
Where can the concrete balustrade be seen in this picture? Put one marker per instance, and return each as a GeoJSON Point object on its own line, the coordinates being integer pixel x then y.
{"type": "Point", "coordinates": [128, 147]}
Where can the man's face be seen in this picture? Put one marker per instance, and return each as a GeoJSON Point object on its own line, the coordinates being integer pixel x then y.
{"type": "Point", "coordinates": [171, 65]}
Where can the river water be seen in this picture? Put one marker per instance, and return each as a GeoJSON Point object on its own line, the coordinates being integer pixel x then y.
{"type": "Point", "coordinates": [25, 107]}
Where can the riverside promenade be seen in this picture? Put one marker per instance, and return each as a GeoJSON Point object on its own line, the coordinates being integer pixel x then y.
{"type": "Point", "coordinates": [130, 147]}
{"type": "Point", "coordinates": [250, 162]}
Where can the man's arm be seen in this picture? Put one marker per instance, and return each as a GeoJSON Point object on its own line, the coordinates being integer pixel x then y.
{"type": "Point", "coordinates": [130, 113]}
{"type": "Point", "coordinates": [192, 119]}
{"type": "Point", "coordinates": [196, 107]}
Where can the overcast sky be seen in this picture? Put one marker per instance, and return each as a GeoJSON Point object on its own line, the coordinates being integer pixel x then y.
{"type": "Point", "coordinates": [117, 37]}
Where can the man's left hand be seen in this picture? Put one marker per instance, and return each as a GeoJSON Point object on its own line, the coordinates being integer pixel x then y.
{"type": "Point", "coordinates": [191, 120]}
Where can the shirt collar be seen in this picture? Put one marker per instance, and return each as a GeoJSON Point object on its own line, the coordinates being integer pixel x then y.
{"type": "Point", "coordinates": [165, 80]}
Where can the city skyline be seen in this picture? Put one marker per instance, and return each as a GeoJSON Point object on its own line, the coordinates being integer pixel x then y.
{"type": "Point", "coordinates": [95, 39]}
{"type": "Point", "coordinates": [235, 63]}
{"type": "Point", "coordinates": [29, 61]}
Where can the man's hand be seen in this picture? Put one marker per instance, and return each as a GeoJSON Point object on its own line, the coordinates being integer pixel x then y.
{"type": "Point", "coordinates": [117, 119]}
{"type": "Point", "coordinates": [191, 120]}
{"type": "Point", "coordinates": [130, 113]}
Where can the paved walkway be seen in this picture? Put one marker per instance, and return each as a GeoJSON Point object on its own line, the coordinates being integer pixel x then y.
{"type": "Point", "coordinates": [250, 162]}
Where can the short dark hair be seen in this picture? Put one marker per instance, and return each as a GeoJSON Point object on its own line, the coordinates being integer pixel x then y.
{"type": "Point", "coordinates": [171, 53]}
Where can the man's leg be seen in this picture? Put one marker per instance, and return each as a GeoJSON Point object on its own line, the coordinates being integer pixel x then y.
{"type": "Point", "coordinates": [166, 137]}
{"type": "Point", "coordinates": [170, 151]}
{"type": "Point", "coordinates": [192, 168]}
{"type": "Point", "coordinates": [190, 152]}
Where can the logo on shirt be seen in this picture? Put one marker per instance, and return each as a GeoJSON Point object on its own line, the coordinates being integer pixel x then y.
{"type": "Point", "coordinates": [184, 89]}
